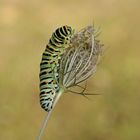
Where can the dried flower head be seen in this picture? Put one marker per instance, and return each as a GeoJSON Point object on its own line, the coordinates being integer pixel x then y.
{"type": "Point", "coordinates": [79, 62]}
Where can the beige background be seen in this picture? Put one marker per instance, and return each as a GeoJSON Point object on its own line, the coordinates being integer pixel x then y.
{"type": "Point", "coordinates": [25, 27]}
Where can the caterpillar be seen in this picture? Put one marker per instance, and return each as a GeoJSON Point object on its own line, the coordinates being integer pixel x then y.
{"type": "Point", "coordinates": [49, 66]}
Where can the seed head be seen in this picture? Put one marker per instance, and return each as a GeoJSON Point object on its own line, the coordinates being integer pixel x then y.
{"type": "Point", "coordinates": [80, 60]}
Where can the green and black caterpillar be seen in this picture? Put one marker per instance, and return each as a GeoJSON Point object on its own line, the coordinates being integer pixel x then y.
{"type": "Point", "coordinates": [49, 66]}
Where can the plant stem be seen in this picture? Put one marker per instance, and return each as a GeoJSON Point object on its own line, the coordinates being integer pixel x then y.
{"type": "Point", "coordinates": [47, 117]}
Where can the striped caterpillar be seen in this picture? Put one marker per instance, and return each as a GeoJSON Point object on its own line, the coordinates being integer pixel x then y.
{"type": "Point", "coordinates": [49, 66]}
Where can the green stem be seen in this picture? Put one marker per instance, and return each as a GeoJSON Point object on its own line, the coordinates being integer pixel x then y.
{"type": "Point", "coordinates": [47, 117]}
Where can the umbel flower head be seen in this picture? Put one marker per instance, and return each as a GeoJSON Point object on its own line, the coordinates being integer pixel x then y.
{"type": "Point", "coordinates": [80, 60]}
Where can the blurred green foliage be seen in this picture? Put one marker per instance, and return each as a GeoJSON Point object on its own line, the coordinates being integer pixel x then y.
{"type": "Point", "coordinates": [26, 26]}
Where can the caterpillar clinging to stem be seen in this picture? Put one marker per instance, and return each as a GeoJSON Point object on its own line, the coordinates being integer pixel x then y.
{"type": "Point", "coordinates": [49, 66]}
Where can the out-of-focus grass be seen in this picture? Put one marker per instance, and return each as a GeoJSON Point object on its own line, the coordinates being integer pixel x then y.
{"type": "Point", "coordinates": [25, 27]}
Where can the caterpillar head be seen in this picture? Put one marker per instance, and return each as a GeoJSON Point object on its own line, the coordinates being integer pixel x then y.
{"type": "Point", "coordinates": [65, 34]}
{"type": "Point", "coordinates": [68, 33]}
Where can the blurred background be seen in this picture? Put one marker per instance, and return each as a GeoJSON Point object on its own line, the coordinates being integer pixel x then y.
{"type": "Point", "coordinates": [26, 26]}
